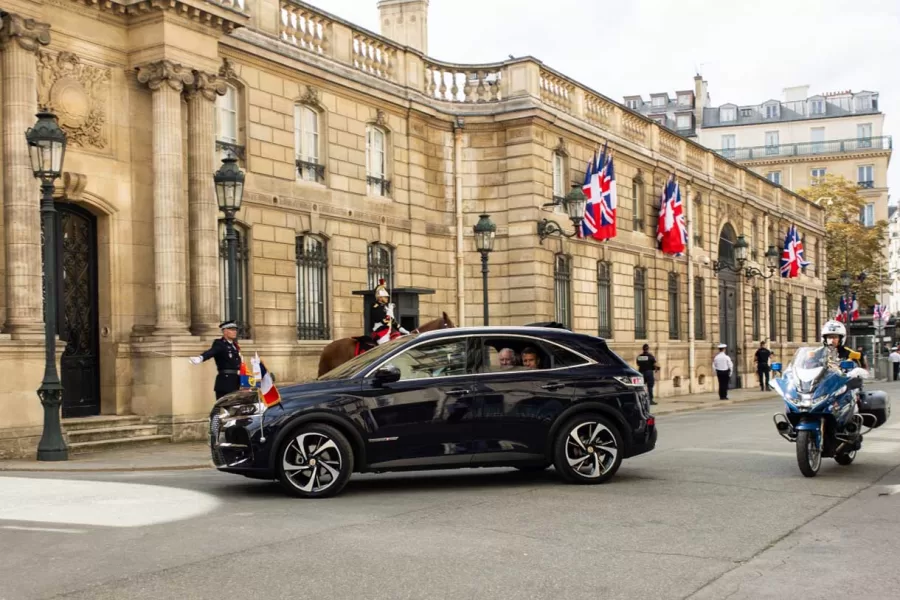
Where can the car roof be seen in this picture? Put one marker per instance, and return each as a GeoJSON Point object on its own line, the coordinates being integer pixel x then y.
{"type": "Point", "coordinates": [540, 332]}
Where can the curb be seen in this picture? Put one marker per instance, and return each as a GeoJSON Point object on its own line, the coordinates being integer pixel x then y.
{"type": "Point", "coordinates": [707, 406]}
{"type": "Point", "coordinates": [89, 469]}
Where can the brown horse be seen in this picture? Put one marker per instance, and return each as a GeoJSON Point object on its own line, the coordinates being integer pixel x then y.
{"type": "Point", "coordinates": [340, 351]}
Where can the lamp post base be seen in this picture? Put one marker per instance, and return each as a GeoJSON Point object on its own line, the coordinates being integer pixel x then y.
{"type": "Point", "coordinates": [52, 446]}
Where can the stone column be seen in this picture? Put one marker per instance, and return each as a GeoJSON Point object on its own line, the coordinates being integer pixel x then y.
{"type": "Point", "coordinates": [19, 39]}
{"type": "Point", "coordinates": [202, 204]}
{"type": "Point", "coordinates": [167, 81]}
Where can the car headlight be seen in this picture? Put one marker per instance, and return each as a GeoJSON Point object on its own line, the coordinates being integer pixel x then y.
{"type": "Point", "coordinates": [242, 410]}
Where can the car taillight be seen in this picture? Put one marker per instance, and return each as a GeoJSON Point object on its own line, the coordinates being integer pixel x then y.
{"type": "Point", "coordinates": [651, 421]}
{"type": "Point", "coordinates": [637, 381]}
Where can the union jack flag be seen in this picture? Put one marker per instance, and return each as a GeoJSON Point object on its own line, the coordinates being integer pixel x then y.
{"type": "Point", "coordinates": [671, 230]}
{"type": "Point", "coordinates": [609, 199]}
{"type": "Point", "coordinates": [792, 256]}
{"type": "Point", "coordinates": [588, 224]}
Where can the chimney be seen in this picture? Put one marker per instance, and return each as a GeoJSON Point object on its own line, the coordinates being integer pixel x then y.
{"type": "Point", "coordinates": [701, 99]}
{"type": "Point", "coordinates": [405, 22]}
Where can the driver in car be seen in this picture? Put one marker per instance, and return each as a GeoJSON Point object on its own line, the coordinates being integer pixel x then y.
{"type": "Point", "coordinates": [531, 359]}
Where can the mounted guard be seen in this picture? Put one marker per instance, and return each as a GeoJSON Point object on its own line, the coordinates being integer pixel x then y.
{"type": "Point", "coordinates": [381, 314]}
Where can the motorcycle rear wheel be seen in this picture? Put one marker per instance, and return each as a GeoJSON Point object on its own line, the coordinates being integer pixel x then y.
{"type": "Point", "coordinates": [845, 458]}
{"type": "Point", "coordinates": [809, 455]}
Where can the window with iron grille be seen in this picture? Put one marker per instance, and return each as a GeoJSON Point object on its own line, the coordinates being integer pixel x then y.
{"type": "Point", "coordinates": [306, 144]}
{"type": "Point", "coordinates": [754, 310]}
{"type": "Point", "coordinates": [377, 180]}
{"type": "Point", "coordinates": [562, 283]}
{"type": "Point", "coordinates": [604, 299]}
{"type": "Point", "coordinates": [818, 316]}
{"type": "Point", "coordinates": [637, 194]}
{"type": "Point", "coordinates": [381, 265]}
{"type": "Point", "coordinates": [674, 307]}
{"type": "Point", "coordinates": [699, 309]}
{"type": "Point", "coordinates": [312, 288]}
{"type": "Point", "coordinates": [804, 326]}
{"type": "Point", "coordinates": [243, 280]}
{"type": "Point", "coordinates": [773, 317]}
{"type": "Point", "coordinates": [789, 312]}
{"type": "Point", "coordinates": [640, 303]}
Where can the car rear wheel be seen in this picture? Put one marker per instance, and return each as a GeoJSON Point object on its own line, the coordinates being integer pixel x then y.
{"type": "Point", "coordinates": [315, 462]}
{"type": "Point", "coordinates": [588, 449]}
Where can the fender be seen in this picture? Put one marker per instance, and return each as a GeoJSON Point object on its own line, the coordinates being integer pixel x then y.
{"type": "Point", "coordinates": [343, 425]}
{"type": "Point", "coordinates": [592, 406]}
{"type": "Point", "coordinates": [812, 425]}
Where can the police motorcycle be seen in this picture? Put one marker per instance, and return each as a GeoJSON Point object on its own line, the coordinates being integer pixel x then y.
{"type": "Point", "coordinates": [826, 412]}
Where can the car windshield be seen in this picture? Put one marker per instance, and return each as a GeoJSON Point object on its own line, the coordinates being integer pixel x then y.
{"type": "Point", "coordinates": [364, 360]}
{"type": "Point", "coordinates": [808, 362]}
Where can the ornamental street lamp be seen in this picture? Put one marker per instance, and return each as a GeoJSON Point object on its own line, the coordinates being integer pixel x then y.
{"type": "Point", "coordinates": [574, 204]}
{"type": "Point", "coordinates": [484, 242]}
{"type": "Point", "coordinates": [47, 147]}
{"type": "Point", "coordinates": [229, 180]}
{"type": "Point", "coordinates": [741, 247]}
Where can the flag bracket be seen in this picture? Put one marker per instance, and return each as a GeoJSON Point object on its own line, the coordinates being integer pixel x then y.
{"type": "Point", "coordinates": [547, 228]}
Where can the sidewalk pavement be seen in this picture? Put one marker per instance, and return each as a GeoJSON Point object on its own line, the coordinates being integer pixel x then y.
{"type": "Point", "coordinates": [196, 455]}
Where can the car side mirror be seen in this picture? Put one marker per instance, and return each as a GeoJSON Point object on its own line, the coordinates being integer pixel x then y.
{"type": "Point", "coordinates": [385, 375]}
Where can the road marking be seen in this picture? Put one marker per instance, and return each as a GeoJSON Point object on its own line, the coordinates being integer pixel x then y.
{"type": "Point", "coordinates": [43, 529]}
{"type": "Point", "coordinates": [890, 490]}
{"type": "Point", "coordinates": [98, 503]}
{"type": "Point", "coordinates": [736, 451]}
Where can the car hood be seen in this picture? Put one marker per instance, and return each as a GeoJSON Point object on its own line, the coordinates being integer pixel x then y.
{"type": "Point", "coordinates": [290, 393]}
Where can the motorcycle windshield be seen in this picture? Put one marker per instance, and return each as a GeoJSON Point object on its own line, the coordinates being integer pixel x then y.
{"type": "Point", "coordinates": [808, 366]}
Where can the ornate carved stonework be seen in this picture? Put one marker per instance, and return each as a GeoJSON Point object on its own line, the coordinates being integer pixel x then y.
{"type": "Point", "coordinates": [207, 85]}
{"type": "Point", "coordinates": [380, 118]}
{"type": "Point", "coordinates": [28, 33]}
{"type": "Point", "coordinates": [226, 71]}
{"type": "Point", "coordinates": [165, 72]}
{"type": "Point", "coordinates": [77, 93]}
{"type": "Point", "coordinates": [310, 95]}
{"type": "Point", "coordinates": [561, 146]}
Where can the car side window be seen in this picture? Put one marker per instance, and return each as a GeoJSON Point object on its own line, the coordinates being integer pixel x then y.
{"type": "Point", "coordinates": [521, 353]}
{"type": "Point", "coordinates": [560, 358]}
{"type": "Point", "coordinates": [440, 358]}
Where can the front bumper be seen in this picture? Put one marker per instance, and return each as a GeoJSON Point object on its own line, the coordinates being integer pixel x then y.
{"type": "Point", "coordinates": [235, 443]}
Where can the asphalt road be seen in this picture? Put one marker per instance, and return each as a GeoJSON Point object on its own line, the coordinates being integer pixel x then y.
{"type": "Point", "coordinates": [718, 511]}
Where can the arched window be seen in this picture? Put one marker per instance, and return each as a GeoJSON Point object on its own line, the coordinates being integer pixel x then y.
{"type": "Point", "coordinates": [754, 312]}
{"type": "Point", "coordinates": [637, 196]}
{"type": "Point", "coordinates": [562, 280]}
{"type": "Point", "coordinates": [380, 265]}
{"type": "Point", "coordinates": [559, 176]}
{"type": "Point", "coordinates": [307, 144]}
{"type": "Point", "coordinates": [604, 300]}
{"type": "Point", "coordinates": [377, 178]}
{"type": "Point", "coordinates": [674, 307]}
{"type": "Point", "coordinates": [727, 240]}
{"type": "Point", "coordinates": [698, 221]}
{"type": "Point", "coordinates": [773, 316]}
{"type": "Point", "coordinates": [640, 303]}
{"type": "Point", "coordinates": [312, 288]}
{"type": "Point", "coordinates": [699, 309]}
{"type": "Point", "coordinates": [243, 279]}
{"type": "Point", "coordinates": [755, 242]}
{"type": "Point", "coordinates": [228, 142]}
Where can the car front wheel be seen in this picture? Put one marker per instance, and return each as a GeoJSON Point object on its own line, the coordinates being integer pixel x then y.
{"type": "Point", "coordinates": [315, 461]}
{"type": "Point", "coordinates": [588, 450]}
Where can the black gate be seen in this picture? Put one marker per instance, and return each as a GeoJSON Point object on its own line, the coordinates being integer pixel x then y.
{"type": "Point", "coordinates": [728, 286]}
{"type": "Point", "coordinates": [77, 323]}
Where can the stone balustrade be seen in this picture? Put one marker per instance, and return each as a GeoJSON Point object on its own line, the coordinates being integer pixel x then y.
{"type": "Point", "coordinates": [465, 84]}
{"type": "Point", "coordinates": [318, 32]}
{"type": "Point", "coordinates": [236, 5]}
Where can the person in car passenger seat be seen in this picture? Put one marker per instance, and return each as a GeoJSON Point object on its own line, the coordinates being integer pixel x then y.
{"type": "Point", "coordinates": [531, 359]}
{"type": "Point", "coordinates": [507, 357]}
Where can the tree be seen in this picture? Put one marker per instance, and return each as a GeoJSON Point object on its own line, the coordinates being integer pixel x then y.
{"type": "Point", "coordinates": [849, 245]}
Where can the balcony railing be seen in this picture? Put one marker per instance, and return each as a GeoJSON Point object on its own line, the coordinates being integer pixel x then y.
{"type": "Point", "coordinates": [809, 148]}
{"type": "Point", "coordinates": [866, 185]}
{"type": "Point", "coordinates": [310, 171]}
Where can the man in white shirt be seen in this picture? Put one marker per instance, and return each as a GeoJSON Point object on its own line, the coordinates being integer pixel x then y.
{"type": "Point", "coordinates": [895, 362]}
{"type": "Point", "coordinates": [723, 366]}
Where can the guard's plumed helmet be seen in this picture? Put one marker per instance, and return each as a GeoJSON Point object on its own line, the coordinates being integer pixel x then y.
{"type": "Point", "coordinates": [381, 291]}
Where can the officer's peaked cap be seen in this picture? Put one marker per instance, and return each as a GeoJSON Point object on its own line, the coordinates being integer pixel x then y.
{"type": "Point", "coordinates": [228, 325]}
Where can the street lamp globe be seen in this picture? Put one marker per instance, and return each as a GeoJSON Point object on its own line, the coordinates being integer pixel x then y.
{"type": "Point", "coordinates": [845, 279]}
{"type": "Point", "coordinates": [46, 146]}
{"type": "Point", "coordinates": [484, 233]}
{"type": "Point", "coordinates": [740, 249]}
{"type": "Point", "coordinates": [574, 203]}
{"type": "Point", "coordinates": [772, 257]}
{"type": "Point", "coordinates": [229, 180]}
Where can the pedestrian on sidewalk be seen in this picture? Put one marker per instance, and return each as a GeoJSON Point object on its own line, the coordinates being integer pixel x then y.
{"type": "Point", "coordinates": [762, 365]}
{"type": "Point", "coordinates": [723, 366]}
{"type": "Point", "coordinates": [894, 357]}
{"type": "Point", "coordinates": [647, 367]}
{"type": "Point", "coordinates": [227, 354]}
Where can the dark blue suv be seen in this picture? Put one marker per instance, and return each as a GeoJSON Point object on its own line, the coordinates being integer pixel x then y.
{"type": "Point", "coordinates": [523, 397]}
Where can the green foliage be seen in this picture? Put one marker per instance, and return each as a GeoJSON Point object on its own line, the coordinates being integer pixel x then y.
{"type": "Point", "coordinates": [849, 246]}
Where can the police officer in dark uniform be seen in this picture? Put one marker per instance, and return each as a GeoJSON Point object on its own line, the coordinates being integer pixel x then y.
{"type": "Point", "coordinates": [227, 354]}
{"type": "Point", "coordinates": [647, 367]}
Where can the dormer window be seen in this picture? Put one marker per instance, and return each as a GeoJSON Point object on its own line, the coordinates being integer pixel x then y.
{"type": "Point", "coordinates": [659, 101]}
{"type": "Point", "coordinates": [633, 103]}
{"type": "Point", "coordinates": [772, 110]}
{"type": "Point", "coordinates": [727, 114]}
{"type": "Point", "coordinates": [684, 100]}
{"type": "Point", "coordinates": [817, 106]}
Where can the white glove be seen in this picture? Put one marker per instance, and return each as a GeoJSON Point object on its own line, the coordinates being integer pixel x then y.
{"type": "Point", "coordinates": [390, 310]}
{"type": "Point", "coordinates": [196, 360]}
{"type": "Point", "coordinates": [403, 331]}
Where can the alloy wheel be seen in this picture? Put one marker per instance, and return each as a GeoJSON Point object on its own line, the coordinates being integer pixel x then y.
{"type": "Point", "coordinates": [312, 462]}
{"type": "Point", "coordinates": [591, 449]}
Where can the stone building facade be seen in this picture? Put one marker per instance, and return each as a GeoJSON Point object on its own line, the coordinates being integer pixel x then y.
{"type": "Point", "coordinates": [365, 159]}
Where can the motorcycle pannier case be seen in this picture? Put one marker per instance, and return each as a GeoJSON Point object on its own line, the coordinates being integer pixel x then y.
{"type": "Point", "coordinates": [875, 403]}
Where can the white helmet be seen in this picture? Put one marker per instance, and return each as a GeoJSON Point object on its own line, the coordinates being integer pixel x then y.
{"type": "Point", "coordinates": [382, 293]}
{"type": "Point", "coordinates": [834, 328]}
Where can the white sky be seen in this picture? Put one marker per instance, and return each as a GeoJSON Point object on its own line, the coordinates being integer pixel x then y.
{"type": "Point", "coordinates": [747, 51]}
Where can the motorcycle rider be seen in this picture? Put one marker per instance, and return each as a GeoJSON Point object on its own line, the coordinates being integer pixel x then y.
{"type": "Point", "coordinates": [833, 334]}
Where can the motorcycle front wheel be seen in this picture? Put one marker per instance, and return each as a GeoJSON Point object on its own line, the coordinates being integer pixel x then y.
{"type": "Point", "coordinates": [809, 455]}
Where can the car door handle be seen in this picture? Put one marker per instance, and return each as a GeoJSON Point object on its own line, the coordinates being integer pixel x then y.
{"type": "Point", "coordinates": [552, 387]}
{"type": "Point", "coordinates": [457, 392]}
